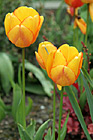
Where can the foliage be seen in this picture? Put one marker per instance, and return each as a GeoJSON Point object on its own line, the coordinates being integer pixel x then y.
{"type": "Point", "coordinates": [6, 72]}
{"type": "Point", "coordinates": [29, 132]}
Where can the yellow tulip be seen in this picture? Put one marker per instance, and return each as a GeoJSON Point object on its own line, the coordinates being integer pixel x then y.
{"type": "Point", "coordinates": [87, 1]}
{"type": "Point", "coordinates": [22, 26]}
{"type": "Point", "coordinates": [63, 65]}
{"type": "Point", "coordinates": [81, 24]}
{"type": "Point", "coordinates": [43, 51]}
{"type": "Point", "coordinates": [90, 7]}
{"type": "Point", "coordinates": [91, 10]}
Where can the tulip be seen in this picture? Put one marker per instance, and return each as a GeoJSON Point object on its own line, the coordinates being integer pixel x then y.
{"type": "Point", "coordinates": [22, 26]}
{"type": "Point", "coordinates": [63, 65]}
{"type": "Point", "coordinates": [90, 7]}
{"type": "Point", "coordinates": [87, 1]}
{"type": "Point", "coordinates": [91, 10]}
{"type": "Point", "coordinates": [44, 49]}
{"type": "Point", "coordinates": [81, 24]}
{"type": "Point", "coordinates": [74, 3]}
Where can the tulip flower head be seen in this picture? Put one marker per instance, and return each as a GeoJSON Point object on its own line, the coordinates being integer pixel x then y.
{"type": "Point", "coordinates": [63, 65]}
{"type": "Point", "coordinates": [74, 3]}
{"type": "Point", "coordinates": [43, 51]}
{"type": "Point", "coordinates": [22, 26]}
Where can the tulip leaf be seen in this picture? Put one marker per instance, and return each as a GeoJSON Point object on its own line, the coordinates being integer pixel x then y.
{"type": "Point", "coordinates": [46, 84]}
{"type": "Point", "coordinates": [89, 96]}
{"type": "Point", "coordinates": [40, 132]}
{"type": "Point", "coordinates": [6, 71]}
{"type": "Point", "coordinates": [2, 104]}
{"type": "Point", "coordinates": [48, 135]}
{"type": "Point", "coordinates": [20, 116]}
{"type": "Point", "coordinates": [82, 100]}
{"type": "Point", "coordinates": [64, 129]}
{"type": "Point", "coordinates": [34, 88]}
{"type": "Point", "coordinates": [2, 114]}
{"type": "Point", "coordinates": [85, 73]}
{"type": "Point", "coordinates": [17, 95]}
{"type": "Point", "coordinates": [23, 133]}
{"type": "Point", "coordinates": [29, 106]}
{"type": "Point", "coordinates": [77, 110]}
{"type": "Point", "coordinates": [31, 128]}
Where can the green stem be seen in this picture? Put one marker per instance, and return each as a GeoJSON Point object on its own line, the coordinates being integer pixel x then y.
{"type": "Point", "coordinates": [87, 24]}
{"type": "Point", "coordinates": [60, 113]}
{"type": "Point", "coordinates": [23, 79]}
{"type": "Point", "coordinates": [54, 110]}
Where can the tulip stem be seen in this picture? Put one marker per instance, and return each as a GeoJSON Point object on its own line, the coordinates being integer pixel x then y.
{"type": "Point", "coordinates": [87, 24]}
{"type": "Point", "coordinates": [54, 110]}
{"type": "Point", "coordinates": [60, 113]}
{"type": "Point", "coordinates": [23, 80]}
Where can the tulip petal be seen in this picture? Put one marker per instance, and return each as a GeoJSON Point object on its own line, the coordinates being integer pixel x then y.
{"type": "Point", "coordinates": [81, 24]}
{"type": "Point", "coordinates": [75, 65]}
{"type": "Point", "coordinates": [91, 10]}
{"type": "Point", "coordinates": [74, 3]}
{"type": "Point", "coordinates": [68, 52]}
{"type": "Point", "coordinates": [59, 87]}
{"type": "Point", "coordinates": [10, 21]}
{"type": "Point", "coordinates": [62, 75]}
{"type": "Point", "coordinates": [50, 62]}
{"type": "Point", "coordinates": [43, 52]}
{"type": "Point", "coordinates": [31, 23]}
{"type": "Point", "coordinates": [20, 36]}
{"type": "Point", "coordinates": [59, 59]}
{"type": "Point", "coordinates": [38, 29]}
{"type": "Point", "coordinates": [40, 61]}
{"type": "Point", "coordinates": [24, 12]}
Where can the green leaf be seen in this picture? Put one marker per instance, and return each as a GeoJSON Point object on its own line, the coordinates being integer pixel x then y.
{"type": "Point", "coordinates": [17, 95]}
{"type": "Point", "coordinates": [2, 104]}
{"type": "Point", "coordinates": [77, 110]}
{"type": "Point", "coordinates": [40, 132]}
{"type": "Point", "coordinates": [35, 88]}
{"type": "Point", "coordinates": [89, 96]}
{"type": "Point", "coordinates": [64, 129]}
{"type": "Point", "coordinates": [48, 135]}
{"type": "Point", "coordinates": [6, 71]}
{"type": "Point", "coordinates": [29, 106]}
{"type": "Point", "coordinates": [31, 129]}
{"type": "Point", "coordinates": [82, 100]}
{"type": "Point", "coordinates": [46, 84]}
{"type": "Point", "coordinates": [20, 116]}
{"type": "Point", "coordinates": [2, 114]}
{"type": "Point", "coordinates": [23, 133]}
{"type": "Point", "coordinates": [19, 75]}
{"type": "Point", "coordinates": [85, 73]}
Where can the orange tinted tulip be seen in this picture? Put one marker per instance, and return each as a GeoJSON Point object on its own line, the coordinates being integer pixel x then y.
{"type": "Point", "coordinates": [81, 24]}
{"type": "Point", "coordinates": [91, 10]}
{"type": "Point", "coordinates": [74, 3]}
{"type": "Point", "coordinates": [44, 49]}
{"type": "Point", "coordinates": [87, 1]}
{"type": "Point", "coordinates": [63, 65]}
{"type": "Point", "coordinates": [22, 26]}
{"type": "Point", "coordinates": [90, 7]}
